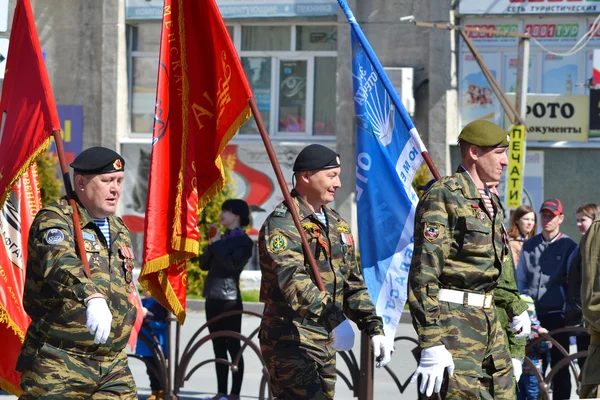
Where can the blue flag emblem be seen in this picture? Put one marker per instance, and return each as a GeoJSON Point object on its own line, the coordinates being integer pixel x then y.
{"type": "Point", "coordinates": [388, 153]}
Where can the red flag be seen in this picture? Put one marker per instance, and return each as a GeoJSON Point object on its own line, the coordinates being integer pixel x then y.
{"type": "Point", "coordinates": [15, 220]}
{"type": "Point", "coordinates": [28, 110]}
{"type": "Point", "coordinates": [134, 298]}
{"type": "Point", "coordinates": [201, 102]}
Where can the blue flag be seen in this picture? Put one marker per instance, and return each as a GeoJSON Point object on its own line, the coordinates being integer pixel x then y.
{"type": "Point", "coordinates": [388, 153]}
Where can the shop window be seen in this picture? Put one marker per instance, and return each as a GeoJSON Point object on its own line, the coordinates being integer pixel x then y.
{"type": "Point", "coordinates": [270, 38]}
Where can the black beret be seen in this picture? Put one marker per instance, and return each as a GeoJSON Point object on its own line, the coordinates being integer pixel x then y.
{"type": "Point", "coordinates": [315, 157]}
{"type": "Point", "coordinates": [98, 160]}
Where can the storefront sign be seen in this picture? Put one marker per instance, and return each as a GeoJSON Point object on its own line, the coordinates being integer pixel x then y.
{"type": "Point", "coordinates": [152, 9]}
{"type": "Point", "coordinates": [556, 118]}
{"type": "Point", "coordinates": [514, 174]}
{"type": "Point", "coordinates": [515, 7]}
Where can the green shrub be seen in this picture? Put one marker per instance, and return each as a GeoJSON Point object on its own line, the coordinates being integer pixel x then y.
{"type": "Point", "coordinates": [210, 214]}
{"type": "Point", "coordinates": [51, 188]}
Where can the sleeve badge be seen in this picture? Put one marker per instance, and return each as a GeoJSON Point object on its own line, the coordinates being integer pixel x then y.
{"type": "Point", "coordinates": [278, 243]}
{"type": "Point", "coordinates": [432, 232]}
{"type": "Point", "coordinates": [54, 236]}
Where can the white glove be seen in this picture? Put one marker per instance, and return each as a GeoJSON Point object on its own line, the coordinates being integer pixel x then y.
{"type": "Point", "coordinates": [517, 368]}
{"type": "Point", "coordinates": [99, 319]}
{"type": "Point", "coordinates": [382, 350]}
{"type": "Point", "coordinates": [343, 336]}
{"type": "Point", "coordinates": [434, 361]}
{"type": "Point", "coordinates": [521, 325]}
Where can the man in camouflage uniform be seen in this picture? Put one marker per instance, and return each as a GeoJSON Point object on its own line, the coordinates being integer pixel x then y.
{"type": "Point", "coordinates": [80, 325]}
{"type": "Point", "coordinates": [302, 327]}
{"type": "Point", "coordinates": [460, 246]}
{"type": "Point", "coordinates": [590, 293]}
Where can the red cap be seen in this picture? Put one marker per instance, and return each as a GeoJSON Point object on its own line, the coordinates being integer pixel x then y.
{"type": "Point", "coordinates": [552, 205]}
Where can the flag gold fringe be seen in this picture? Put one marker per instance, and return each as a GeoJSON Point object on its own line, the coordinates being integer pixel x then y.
{"type": "Point", "coordinates": [43, 147]}
{"type": "Point", "coordinates": [5, 319]}
{"type": "Point", "coordinates": [165, 290]}
{"type": "Point", "coordinates": [9, 387]}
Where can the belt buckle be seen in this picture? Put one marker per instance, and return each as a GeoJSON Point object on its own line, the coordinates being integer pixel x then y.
{"type": "Point", "coordinates": [487, 300]}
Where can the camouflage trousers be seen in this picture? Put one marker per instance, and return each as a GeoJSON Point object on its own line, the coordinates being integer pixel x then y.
{"type": "Point", "coordinates": [590, 378]}
{"type": "Point", "coordinates": [483, 368]}
{"type": "Point", "coordinates": [300, 361]}
{"type": "Point", "coordinates": [61, 374]}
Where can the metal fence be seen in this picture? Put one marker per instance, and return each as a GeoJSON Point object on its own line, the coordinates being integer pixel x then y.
{"type": "Point", "coordinates": [182, 369]}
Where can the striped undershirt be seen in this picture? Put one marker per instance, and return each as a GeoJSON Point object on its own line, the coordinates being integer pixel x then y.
{"type": "Point", "coordinates": [322, 217]}
{"type": "Point", "coordinates": [104, 228]}
{"type": "Point", "coordinates": [488, 201]}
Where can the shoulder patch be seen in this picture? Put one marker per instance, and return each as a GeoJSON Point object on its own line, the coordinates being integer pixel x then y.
{"type": "Point", "coordinates": [432, 231]}
{"type": "Point", "coordinates": [280, 211]}
{"type": "Point", "coordinates": [89, 236]}
{"type": "Point", "coordinates": [278, 243]}
{"type": "Point", "coordinates": [54, 236]}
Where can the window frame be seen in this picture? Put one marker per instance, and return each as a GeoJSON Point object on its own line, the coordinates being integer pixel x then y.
{"type": "Point", "coordinates": [276, 58]}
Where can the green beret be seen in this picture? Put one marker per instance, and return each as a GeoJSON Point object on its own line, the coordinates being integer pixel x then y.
{"type": "Point", "coordinates": [484, 133]}
{"type": "Point", "coordinates": [98, 160]}
{"type": "Point", "coordinates": [315, 157]}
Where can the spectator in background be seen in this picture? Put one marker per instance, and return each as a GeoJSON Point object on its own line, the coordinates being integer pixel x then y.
{"type": "Point", "coordinates": [522, 226]}
{"type": "Point", "coordinates": [224, 259]}
{"type": "Point", "coordinates": [542, 274]}
{"type": "Point", "coordinates": [586, 214]}
{"type": "Point", "coordinates": [155, 316]}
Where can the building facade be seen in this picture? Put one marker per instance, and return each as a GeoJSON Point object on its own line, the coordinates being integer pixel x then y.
{"type": "Point", "coordinates": [102, 61]}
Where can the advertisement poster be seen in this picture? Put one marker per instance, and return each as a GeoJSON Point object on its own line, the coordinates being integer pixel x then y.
{"type": "Point", "coordinates": [560, 75]}
{"type": "Point", "coordinates": [477, 100]}
{"type": "Point", "coordinates": [556, 118]}
{"type": "Point", "coordinates": [510, 74]}
{"type": "Point", "coordinates": [555, 32]}
{"type": "Point", "coordinates": [292, 95]}
{"type": "Point", "coordinates": [516, 7]}
{"type": "Point", "coordinates": [258, 71]}
{"type": "Point", "coordinates": [533, 180]}
{"type": "Point", "coordinates": [489, 39]}
{"type": "Point", "coordinates": [71, 124]}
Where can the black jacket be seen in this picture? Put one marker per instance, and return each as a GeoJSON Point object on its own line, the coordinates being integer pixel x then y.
{"type": "Point", "coordinates": [224, 260]}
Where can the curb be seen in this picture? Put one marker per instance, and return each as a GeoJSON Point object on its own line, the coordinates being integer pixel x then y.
{"type": "Point", "coordinates": [197, 305]}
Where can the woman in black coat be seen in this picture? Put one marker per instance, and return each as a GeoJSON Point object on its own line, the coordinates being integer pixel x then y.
{"type": "Point", "coordinates": [224, 259]}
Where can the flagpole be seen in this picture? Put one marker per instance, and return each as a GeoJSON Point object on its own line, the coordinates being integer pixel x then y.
{"type": "Point", "coordinates": [60, 149]}
{"type": "Point", "coordinates": [286, 193]}
{"type": "Point", "coordinates": [388, 85]}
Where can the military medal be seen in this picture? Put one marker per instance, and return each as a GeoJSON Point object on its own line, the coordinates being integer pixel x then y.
{"type": "Point", "coordinates": [128, 263]}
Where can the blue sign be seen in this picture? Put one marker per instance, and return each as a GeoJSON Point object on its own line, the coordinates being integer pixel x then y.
{"type": "Point", "coordinates": [71, 123]}
{"type": "Point", "coordinates": [135, 9]}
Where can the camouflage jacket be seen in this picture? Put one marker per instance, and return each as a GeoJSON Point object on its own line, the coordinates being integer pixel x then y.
{"type": "Point", "coordinates": [590, 284]}
{"type": "Point", "coordinates": [287, 279]}
{"type": "Point", "coordinates": [457, 246]}
{"type": "Point", "coordinates": [56, 285]}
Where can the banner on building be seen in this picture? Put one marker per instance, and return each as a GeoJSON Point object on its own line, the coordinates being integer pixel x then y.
{"type": "Point", "coordinates": [516, 161]}
{"type": "Point", "coordinates": [152, 9]}
{"type": "Point", "coordinates": [516, 7]}
{"type": "Point", "coordinates": [555, 118]}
